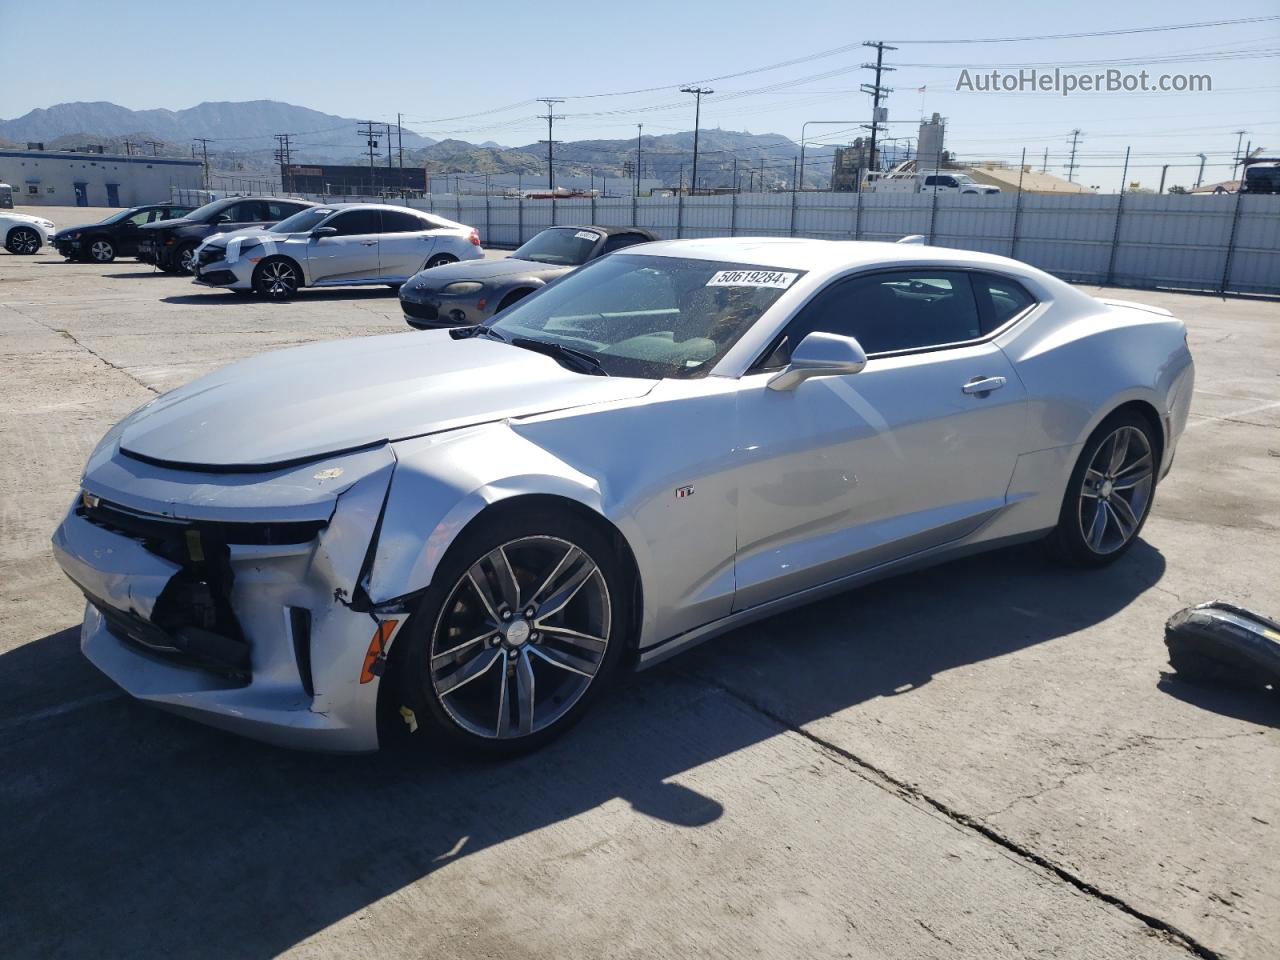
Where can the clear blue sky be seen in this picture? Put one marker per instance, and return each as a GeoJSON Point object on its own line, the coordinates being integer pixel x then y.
{"type": "Point", "coordinates": [433, 61]}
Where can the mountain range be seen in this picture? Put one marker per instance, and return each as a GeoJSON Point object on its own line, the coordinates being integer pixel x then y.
{"type": "Point", "coordinates": [242, 143]}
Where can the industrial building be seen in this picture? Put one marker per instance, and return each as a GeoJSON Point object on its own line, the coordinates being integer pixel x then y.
{"type": "Point", "coordinates": [84, 179]}
{"type": "Point", "coordinates": [353, 180]}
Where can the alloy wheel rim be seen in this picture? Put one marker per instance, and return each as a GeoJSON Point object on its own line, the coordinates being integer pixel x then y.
{"type": "Point", "coordinates": [26, 242]}
{"type": "Point", "coordinates": [520, 638]}
{"type": "Point", "coordinates": [1116, 490]}
{"type": "Point", "coordinates": [101, 250]}
{"type": "Point", "coordinates": [187, 260]}
{"type": "Point", "coordinates": [280, 279]}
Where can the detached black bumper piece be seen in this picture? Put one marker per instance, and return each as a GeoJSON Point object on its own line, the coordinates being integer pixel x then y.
{"type": "Point", "coordinates": [1221, 643]}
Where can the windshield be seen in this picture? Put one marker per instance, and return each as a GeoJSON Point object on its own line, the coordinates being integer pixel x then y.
{"type": "Point", "coordinates": [649, 316]}
{"type": "Point", "coordinates": [963, 178]}
{"type": "Point", "coordinates": [562, 247]}
{"type": "Point", "coordinates": [119, 215]}
{"type": "Point", "coordinates": [199, 213]}
{"type": "Point", "coordinates": [302, 221]}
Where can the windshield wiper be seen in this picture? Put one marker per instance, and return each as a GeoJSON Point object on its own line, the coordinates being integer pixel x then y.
{"type": "Point", "coordinates": [565, 356]}
{"type": "Point", "coordinates": [476, 330]}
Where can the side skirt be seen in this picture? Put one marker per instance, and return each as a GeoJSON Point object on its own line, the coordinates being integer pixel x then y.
{"type": "Point", "coordinates": [659, 652]}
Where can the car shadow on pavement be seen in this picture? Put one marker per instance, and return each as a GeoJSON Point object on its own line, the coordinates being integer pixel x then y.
{"type": "Point", "coordinates": [130, 832]}
{"type": "Point", "coordinates": [220, 297]}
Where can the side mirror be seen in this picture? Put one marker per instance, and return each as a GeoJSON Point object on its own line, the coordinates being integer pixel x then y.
{"type": "Point", "coordinates": [222, 218]}
{"type": "Point", "coordinates": [321, 232]}
{"type": "Point", "coordinates": [820, 355]}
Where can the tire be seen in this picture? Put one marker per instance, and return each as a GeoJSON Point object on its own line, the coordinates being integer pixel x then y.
{"type": "Point", "coordinates": [22, 241]}
{"type": "Point", "coordinates": [502, 657]}
{"type": "Point", "coordinates": [168, 266]}
{"type": "Point", "coordinates": [184, 259]}
{"type": "Point", "coordinates": [1101, 518]}
{"type": "Point", "coordinates": [515, 296]}
{"type": "Point", "coordinates": [100, 250]}
{"type": "Point", "coordinates": [439, 260]}
{"type": "Point", "coordinates": [277, 278]}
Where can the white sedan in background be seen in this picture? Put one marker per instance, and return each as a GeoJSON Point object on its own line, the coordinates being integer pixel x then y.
{"type": "Point", "coordinates": [344, 244]}
{"type": "Point", "coordinates": [23, 234]}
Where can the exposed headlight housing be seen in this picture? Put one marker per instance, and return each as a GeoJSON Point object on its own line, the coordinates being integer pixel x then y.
{"type": "Point", "coordinates": [463, 286]}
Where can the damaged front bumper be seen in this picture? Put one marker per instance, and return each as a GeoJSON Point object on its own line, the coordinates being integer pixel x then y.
{"type": "Point", "coordinates": [236, 599]}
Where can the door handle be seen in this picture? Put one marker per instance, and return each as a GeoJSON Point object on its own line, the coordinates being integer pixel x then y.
{"type": "Point", "coordinates": [981, 386]}
{"type": "Point", "coordinates": [368, 243]}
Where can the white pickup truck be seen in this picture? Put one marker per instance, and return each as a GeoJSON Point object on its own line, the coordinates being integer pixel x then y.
{"type": "Point", "coordinates": [928, 182]}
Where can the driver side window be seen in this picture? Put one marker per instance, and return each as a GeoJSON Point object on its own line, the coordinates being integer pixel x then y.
{"type": "Point", "coordinates": [356, 223]}
{"type": "Point", "coordinates": [887, 312]}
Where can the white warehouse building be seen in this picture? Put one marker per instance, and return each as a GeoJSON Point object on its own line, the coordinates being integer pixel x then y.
{"type": "Point", "coordinates": [64, 179]}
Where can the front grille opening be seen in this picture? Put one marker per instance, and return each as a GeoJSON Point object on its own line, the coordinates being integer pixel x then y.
{"type": "Point", "coordinates": [169, 537]}
{"type": "Point", "coordinates": [300, 627]}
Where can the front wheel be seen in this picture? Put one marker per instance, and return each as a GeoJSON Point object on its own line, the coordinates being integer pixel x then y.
{"type": "Point", "coordinates": [22, 241]}
{"type": "Point", "coordinates": [524, 625]}
{"type": "Point", "coordinates": [276, 279]}
{"type": "Point", "coordinates": [101, 250]}
{"type": "Point", "coordinates": [1109, 494]}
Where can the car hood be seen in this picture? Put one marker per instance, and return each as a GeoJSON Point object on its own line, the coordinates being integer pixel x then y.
{"type": "Point", "coordinates": [485, 271]}
{"type": "Point", "coordinates": [24, 218]}
{"type": "Point", "coordinates": [255, 233]}
{"type": "Point", "coordinates": [82, 228]}
{"type": "Point", "coordinates": [167, 224]}
{"type": "Point", "coordinates": [300, 404]}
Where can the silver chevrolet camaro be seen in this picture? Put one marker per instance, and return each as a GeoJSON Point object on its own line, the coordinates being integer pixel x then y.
{"type": "Point", "coordinates": [467, 533]}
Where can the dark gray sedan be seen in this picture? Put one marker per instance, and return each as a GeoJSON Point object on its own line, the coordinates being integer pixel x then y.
{"type": "Point", "coordinates": [460, 294]}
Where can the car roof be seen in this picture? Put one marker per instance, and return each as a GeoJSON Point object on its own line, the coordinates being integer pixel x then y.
{"type": "Point", "coordinates": [607, 231]}
{"type": "Point", "coordinates": [356, 205]}
{"type": "Point", "coordinates": [821, 255]}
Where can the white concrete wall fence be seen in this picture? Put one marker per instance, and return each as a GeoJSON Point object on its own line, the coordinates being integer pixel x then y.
{"type": "Point", "coordinates": [1228, 243]}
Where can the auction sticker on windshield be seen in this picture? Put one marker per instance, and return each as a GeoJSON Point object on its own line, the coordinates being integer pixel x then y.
{"type": "Point", "coordinates": [752, 278]}
{"type": "Point", "coordinates": [587, 235]}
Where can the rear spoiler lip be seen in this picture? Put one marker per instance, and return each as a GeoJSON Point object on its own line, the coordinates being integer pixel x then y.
{"type": "Point", "coordinates": [1134, 305]}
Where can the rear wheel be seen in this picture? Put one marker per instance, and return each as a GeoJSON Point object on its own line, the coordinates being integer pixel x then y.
{"type": "Point", "coordinates": [439, 260]}
{"type": "Point", "coordinates": [1109, 494]}
{"type": "Point", "coordinates": [22, 241]}
{"type": "Point", "coordinates": [523, 627]}
{"type": "Point", "coordinates": [101, 250]}
{"type": "Point", "coordinates": [276, 279]}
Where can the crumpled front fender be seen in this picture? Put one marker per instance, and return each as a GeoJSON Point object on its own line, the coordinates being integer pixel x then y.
{"type": "Point", "coordinates": [443, 482]}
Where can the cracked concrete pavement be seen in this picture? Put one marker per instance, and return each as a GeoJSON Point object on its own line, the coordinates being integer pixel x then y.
{"type": "Point", "coordinates": [985, 759]}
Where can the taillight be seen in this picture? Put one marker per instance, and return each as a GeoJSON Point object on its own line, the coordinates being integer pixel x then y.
{"type": "Point", "coordinates": [475, 238]}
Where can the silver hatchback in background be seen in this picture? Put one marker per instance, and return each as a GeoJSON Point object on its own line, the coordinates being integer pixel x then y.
{"type": "Point", "coordinates": [346, 244]}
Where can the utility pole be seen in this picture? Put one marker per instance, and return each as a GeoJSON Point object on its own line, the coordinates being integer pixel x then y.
{"type": "Point", "coordinates": [285, 159]}
{"type": "Point", "coordinates": [204, 146]}
{"type": "Point", "coordinates": [154, 145]}
{"type": "Point", "coordinates": [1071, 164]}
{"type": "Point", "coordinates": [1045, 167]}
{"type": "Point", "coordinates": [697, 121]}
{"type": "Point", "coordinates": [735, 174]}
{"type": "Point", "coordinates": [639, 133]}
{"type": "Point", "coordinates": [400, 140]}
{"type": "Point", "coordinates": [128, 147]}
{"type": "Point", "coordinates": [388, 129]}
{"type": "Point", "coordinates": [1163, 171]}
{"type": "Point", "coordinates": [876, 91]}
{"type": "Point", "coordinates": [371, 143]}
{"type": "Point", "coordinates": [550, 117]}
{"type": "Point", "coordinates": [1239, 142]}
{"type": "Point", "coordinates": [1200, 175]}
